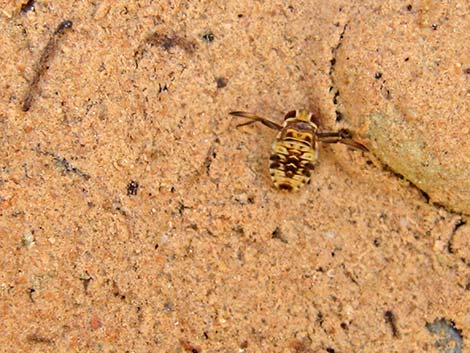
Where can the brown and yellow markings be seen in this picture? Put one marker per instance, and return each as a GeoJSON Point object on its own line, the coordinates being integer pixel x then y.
{"type": "Point", "coordinates": [295, 150]}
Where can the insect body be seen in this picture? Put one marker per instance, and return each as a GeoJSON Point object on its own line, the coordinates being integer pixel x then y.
{"type": "Point", "coordinates": [295, 150]}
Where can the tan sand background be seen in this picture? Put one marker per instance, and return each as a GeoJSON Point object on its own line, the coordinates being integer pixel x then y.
{"type": "Point", "coordinates": [205, 255]}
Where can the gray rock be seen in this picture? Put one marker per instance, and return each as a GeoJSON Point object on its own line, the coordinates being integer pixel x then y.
{"type": "Point", "coordinates": [403, 78]}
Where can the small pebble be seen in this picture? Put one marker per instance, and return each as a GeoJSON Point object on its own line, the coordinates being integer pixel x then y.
{"type": "Point", "coordinates": [330, 234]}
{"type": "Point", "coordinates": [28, 240]}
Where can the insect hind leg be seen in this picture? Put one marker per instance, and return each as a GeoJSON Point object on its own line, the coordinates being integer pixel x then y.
{"type": "Point", "coordinates": [250, 122]}
{"type": "Point", "coordinates": [254, 119]}
{"type": "Point", "coordinates": [342, 136]}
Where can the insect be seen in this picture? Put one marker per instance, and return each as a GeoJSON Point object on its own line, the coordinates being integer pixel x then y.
{"type": "Point", "coordinates": [295, 150]}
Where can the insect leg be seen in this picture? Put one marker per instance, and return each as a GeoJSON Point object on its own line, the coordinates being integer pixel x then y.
{"type": "Point", "coordinates": [255, 118]}
{"type": "Point", "coordinates": [342, 136]}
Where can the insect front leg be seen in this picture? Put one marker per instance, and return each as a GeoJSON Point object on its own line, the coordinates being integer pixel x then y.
{"type": "Point", "coordinates": [256, 118]}
{"type": "Point", "coordinates": [342, 136]}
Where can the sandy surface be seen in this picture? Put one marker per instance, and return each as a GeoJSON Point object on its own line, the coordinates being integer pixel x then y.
{"type": "Point", "coordinates": [135, 217]}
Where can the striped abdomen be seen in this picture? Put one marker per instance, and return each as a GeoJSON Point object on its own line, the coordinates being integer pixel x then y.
{"type": "Point", "coordinates": [294, 154]}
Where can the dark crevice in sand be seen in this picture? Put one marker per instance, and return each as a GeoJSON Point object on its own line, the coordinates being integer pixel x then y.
{"type": "Point", "coordinates": [392, 321]}
{"type": "Point", "coordinates": [182, 207]}
{"type": "Point", "coordinates": [27, 7]}
{"type": "Point", "coordinates": [166, 42]}
{"type": "Point", "coordinates": [64, 164]}
{"type": "Point", "coordinates": [116, 291]}
{"type": "Point", "coordinates": [211, 154]}
{"type": "Point", "coordinates": [43, 64]}
{"type": "Point", "coordinates": [36, 338]}
{"type": "Point", "coordinates": [86, 280]}
{"type": "Point", "coordinates": [350, 275]}
{"type": "Point", "coordinates": [459, 223]}
{"type": "Point", "coordinates": [205, 168]}
{"type": "Point", "coordinates": [31, 291]}
{"type": "Point", "coordinates": [333, 88]}
{"type": "Point", "coordinates": [277, 234]}
{"type": "Point", "coordinates": [423, 193]}
{"type": "Point", "coordinates": [189, 347]}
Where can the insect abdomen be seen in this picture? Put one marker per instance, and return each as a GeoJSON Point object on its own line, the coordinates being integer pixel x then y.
{"type": "Point", "coordinates": [291, 163]}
